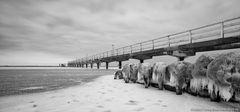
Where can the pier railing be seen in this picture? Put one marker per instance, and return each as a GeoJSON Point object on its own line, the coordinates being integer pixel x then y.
{"type": "Point", "coordinates": [224, 29]}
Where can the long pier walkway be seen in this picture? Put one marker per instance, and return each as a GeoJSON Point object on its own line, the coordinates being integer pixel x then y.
{"type": "Point", "coordinates": [217, 36]}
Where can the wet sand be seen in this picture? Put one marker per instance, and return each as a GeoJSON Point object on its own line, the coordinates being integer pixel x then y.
{"type": "Point", "coordinates": [107, 95]}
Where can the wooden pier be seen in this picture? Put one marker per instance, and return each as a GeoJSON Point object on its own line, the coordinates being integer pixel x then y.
{"type": "Point", "coordinates": [217, 36]}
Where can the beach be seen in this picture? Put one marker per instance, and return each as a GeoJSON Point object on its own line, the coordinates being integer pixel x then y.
{"type": "Point", "coordinates": [104, 94]}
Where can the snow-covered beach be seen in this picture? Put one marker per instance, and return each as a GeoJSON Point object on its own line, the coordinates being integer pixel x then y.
{"type": "Point", "coordinates": [105, 94]}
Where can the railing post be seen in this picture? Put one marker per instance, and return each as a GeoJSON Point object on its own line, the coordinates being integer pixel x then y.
{"type": "Point", "coordinates": [131, 49]}
{"type": "Point", "coordinates": [140, 46]}
{"type": "Point", "coordinates": [168, 40]}
{"type": "Point", "coordinates": [113, 52]}
{"type": "Point", "coordinates": [152, 44]}
{"type": "Point", "coordinates": [190, 36]}
{"type": "Point", "coordinates": [222, 29]}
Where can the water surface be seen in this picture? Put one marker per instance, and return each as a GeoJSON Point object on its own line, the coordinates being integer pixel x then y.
{"type": "Point", "coordinates": [21, 80]}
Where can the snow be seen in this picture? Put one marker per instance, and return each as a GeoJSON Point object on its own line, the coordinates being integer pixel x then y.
{"type": "Point", "coordinates": [107, 95]}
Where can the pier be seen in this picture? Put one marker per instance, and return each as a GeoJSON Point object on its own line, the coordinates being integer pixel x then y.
{"type": "Point", "coordinates": [217, 36]}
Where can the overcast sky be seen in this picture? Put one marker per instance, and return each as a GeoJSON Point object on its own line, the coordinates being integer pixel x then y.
{"type": "Point", "coordinates": [37, 32]}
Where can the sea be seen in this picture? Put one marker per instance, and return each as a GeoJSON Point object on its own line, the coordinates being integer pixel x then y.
{"type": "Point", "coordinates": [25, 80]}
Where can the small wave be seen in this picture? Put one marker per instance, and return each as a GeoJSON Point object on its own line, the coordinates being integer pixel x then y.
{"type": "Point", "coordinates": [32, 88]}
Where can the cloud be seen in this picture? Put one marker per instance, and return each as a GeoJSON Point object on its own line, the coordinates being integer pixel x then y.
{"type": "Point", "coordinates": [74, 28]}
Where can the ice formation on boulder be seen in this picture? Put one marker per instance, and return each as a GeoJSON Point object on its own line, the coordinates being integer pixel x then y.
{"type": "Point", "coordinates": [126, 72]}
{"type": "Point", "coordinates": [133, 72]}
{"type": "Point", "coordinates": [179, 72]}
{"type": "Point", "coordinates": [223, 75]}
{"type": "Point", "coordinates": [159, 70]}
{"type": "Point", "coordinates": [199, 79]}
{"type": "Point", "coordinates": [145, 71]}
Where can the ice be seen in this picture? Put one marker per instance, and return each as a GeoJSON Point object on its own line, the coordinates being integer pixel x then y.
{"type": "Point", "coordinates": [225, 92]}
{"type": "Point", "coordinates": [199, 83]}
{"type": "Point", "coordinates": [173, 80]}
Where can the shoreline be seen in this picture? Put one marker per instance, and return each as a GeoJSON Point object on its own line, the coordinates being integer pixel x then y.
{"type": "Point", "coordinates": [42, 89]}
{"type": "Point", "coordinates": [62, 88]}
{"type": "Point", "coordinates": [25, 81]}
{"type": "Point", "coordinates": [104, 94]}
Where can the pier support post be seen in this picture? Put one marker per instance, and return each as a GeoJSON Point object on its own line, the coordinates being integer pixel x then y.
{"type": "Point", "coordinates": [86, 65]}
{"type": "Point", "coordinates": [98, 64]}
{"type": "Point", "coordinates": [141, 60]}
{"type": "Point", "coordinates": [91, 65]}
{"type": "Point", "coordinates": [181, 58]}
{"type": "Point", "coordinates": [120, 64]}
{"type": "Point", "coordinates": [106, 65]}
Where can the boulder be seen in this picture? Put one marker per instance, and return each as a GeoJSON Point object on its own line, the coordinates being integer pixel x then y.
{"type": "Point", "coordinates": [224, 77]}
{"type": "Point", "coordinates": [159, 70]}
{"type": "Point", "coordinates": [118, 74]}
{"type": "Point", "coordinates": [145, 73]}
{"type": "Point", "coordinates": [178, 75]}
{"type": "Point", "coordinates": [130, 72]}
{"type": "Point", "coordinates": [133, 72]}
{"type": "Point", "coordinates": [199, 80]}
{"type": "Point", "coordinates": [126, 73]}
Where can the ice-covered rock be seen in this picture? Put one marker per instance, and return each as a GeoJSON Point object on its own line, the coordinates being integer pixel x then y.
{"type": "Point", "coordinates": [178, 75]}
{"type": "Point", "coordinates": [199, 79]}
{"type": "Point", "coordinates": [145, 72]}
{"type": "Point", "coordinates": [130, 72]}
{"type": "Point", "coordinates": [224, 77]}
{"type": "Point", "coordinates": [159, 70]}
{"type": "Point", "coordinates": [118, 74]}
{"type": "Point", "coordinates": [133, 72]}
{"type": "Point", "coordinates": [126, 72]}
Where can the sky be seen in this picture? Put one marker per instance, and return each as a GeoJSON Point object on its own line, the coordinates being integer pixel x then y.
{"type": "Point", "coordinates": [49, 32]}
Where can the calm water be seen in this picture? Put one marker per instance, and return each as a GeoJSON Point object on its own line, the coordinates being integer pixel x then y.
{"type": "Point", "coordinates": [22, 80]}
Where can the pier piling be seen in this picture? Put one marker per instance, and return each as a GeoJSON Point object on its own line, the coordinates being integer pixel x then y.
{"type": "Point", "coordinates": [98, 65]}
{"type": "Point", "coordinates": [106, 65]}
{"type": "Point", "coordinates": [120, 64]}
